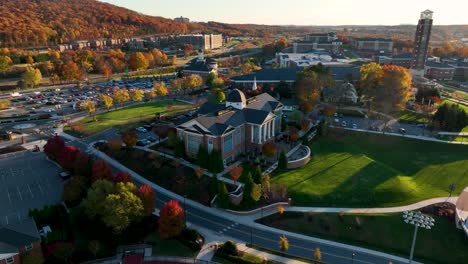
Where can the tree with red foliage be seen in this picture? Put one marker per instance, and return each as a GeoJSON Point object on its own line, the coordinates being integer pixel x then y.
{"type": "Point", "coordinates": [54, 147]}
{"type": "Point", "coordinates": [130, 138]}
{"type": "Point", "coordinates": [235, 173]}
{"type": "Point", "coordinates": [101, 170]}
{"type": "Point", "coordinates": [436, 100]}
{"type": "Point", "coordinates": [171, 220]}
{"type": "Point", "coordinates": [162, 131]}
{"type": "Point", "coordinates": [148, 197]}
{"type": "Point", "coordinates": [293, 134]}
{"type": "Point", "coordinates": [68, 156]}
{"type": "Point", "coordinates": [83, 164]}
{"type": "Point", "coordinates": [122, 176]}
{"type": "Point", "coordinates": [269, 149]}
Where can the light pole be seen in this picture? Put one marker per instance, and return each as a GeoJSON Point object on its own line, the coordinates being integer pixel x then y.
{"type": "Point", "coordinates": [352, 256]}
{"type": "Point", "coordinates": [418, 220]}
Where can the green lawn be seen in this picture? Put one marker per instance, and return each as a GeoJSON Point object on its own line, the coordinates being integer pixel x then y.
{"type": "Point", "coordinates": [350, 169]}
{"type": "Point", "coordinates": [131, 115]}
{"type": "Point", "coordinates": [411, 117]}
{"type": "Point", "coordinates": [462, 107]}
{"type": "Point", "coordinates": [385, 232]}
{"type": "Point", "coordinates": [169, 247]}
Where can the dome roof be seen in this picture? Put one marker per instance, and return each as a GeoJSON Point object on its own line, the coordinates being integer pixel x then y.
{"type": "Point", "coordinates": [236, 96]}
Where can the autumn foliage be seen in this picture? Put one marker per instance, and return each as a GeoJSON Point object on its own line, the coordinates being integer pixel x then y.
{"type": "Point", "coordinates": [68, 156]}
{"type": "Point", "coordinates": [235, 173]}
{"type": "Point", "coordinates": [54, 147]}
{"type": "Point", "coordinates": [148, 197]}
{"type": "Point", "coordinates": [101, 170]}
{"type": "Point", "coordinates": [122, 176]}
{"type": "Point", "coordinates": [171, 220]}
{"type": "Point", "coordinates": [130, 138]}
{"type": "Point", "coordinates": [269, 149]}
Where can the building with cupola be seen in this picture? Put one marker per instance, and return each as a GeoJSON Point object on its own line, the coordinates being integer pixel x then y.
{"type": "Point", "coordinates": [241, 125]}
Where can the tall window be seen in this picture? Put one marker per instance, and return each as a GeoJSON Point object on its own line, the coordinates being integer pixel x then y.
{"type": "Point", "coordinates": [10, 260]}
{"type": "Point", "coordinates": [227, 144]}
{"type": "Point", "coordinates": [256, 132]}
{"type": "Point", "coordinates": [193, 143]}
{"type": "Point", "coordinates": [29, 247]}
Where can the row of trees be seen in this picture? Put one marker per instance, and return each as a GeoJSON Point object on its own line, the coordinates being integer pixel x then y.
{"type": "Point", "coordinates": [112, 198]}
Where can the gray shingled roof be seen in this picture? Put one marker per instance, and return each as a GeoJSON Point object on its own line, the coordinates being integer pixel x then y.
{"type": "Point", "coordinates": [18, 235]}
{"type": "Point", "coordinates": [218, 119]}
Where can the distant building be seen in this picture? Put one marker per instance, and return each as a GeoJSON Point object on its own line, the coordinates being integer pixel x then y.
{"type": "Point", "coordinates": [302, 59]}
{"type": "Point", "coordinates": [421, 42]}
{"type": "Point", "coordinates": [403, 59]}
{"type": "Point", "coordinates": [201, 41]}
{"type": "Point", "coordinates": [201, 66]}
{"type": "Point", "coordinates": [439, 71]}
{"type": "Point", "coordinates": [136, 44]}
{"type": "Point", "coordinates": [373, 44]}
{"type": "Point", "coordinates": [17, 239]}
{"type": "Point", "coordinates": [320, 41]}
{"type": "Point", "coordinates": [182, 19]}
{"type": "Point", "coordinates": [240, 126]}
{"type": "Point", "coordinates": [341, 74]}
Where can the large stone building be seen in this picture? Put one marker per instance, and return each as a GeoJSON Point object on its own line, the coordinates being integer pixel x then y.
{"type": "Point", "coordinates": [373, 44]}
{"type": "Point", "coordinates": [421, 42]}
{"type": "Point", "coordinates": [319, 41]}
{"type": "Point", "coordinates": [239, 126]}
{"type": "Point", "coordinates": [201, 41]}
{"type": "Point", "coordinates": [439, 71]}
{"type": "Point", "coordinates": [182, 19]}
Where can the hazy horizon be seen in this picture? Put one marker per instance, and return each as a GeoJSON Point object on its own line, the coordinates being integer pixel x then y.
{"type": "Point", "coordinates": [304, 12]}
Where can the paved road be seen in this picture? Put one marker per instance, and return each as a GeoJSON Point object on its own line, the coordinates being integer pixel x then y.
{"type": "Point", "coordinates": [225, 224]}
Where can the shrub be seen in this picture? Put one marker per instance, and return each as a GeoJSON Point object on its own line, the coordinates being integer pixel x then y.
{"type": "Point", "coordinates": [229, 248]}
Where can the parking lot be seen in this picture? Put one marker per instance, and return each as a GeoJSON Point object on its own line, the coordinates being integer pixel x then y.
{"type": "Point", "coordinates": [27, 181]}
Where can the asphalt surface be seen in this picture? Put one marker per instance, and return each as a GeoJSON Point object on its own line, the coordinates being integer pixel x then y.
{"type": "Point", "coordinates": [226, 225]}
{"type": "Point", "coordinates": [27, 180]}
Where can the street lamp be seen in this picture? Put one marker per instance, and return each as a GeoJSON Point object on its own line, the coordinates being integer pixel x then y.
{"type": "Point", "coordinates": [418, 220]}
{"type": "Point", "coordinates": [352, 256]}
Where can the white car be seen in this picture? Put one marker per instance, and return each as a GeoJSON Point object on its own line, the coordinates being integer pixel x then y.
{"type": "Point", "coordinates": [354, 126]}
{"type": "Point", "coordinates": [141, 129]}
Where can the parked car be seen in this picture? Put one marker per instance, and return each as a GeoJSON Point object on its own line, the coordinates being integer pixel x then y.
{"type": "Point", "coordinates": [343, 124]}
{"type": "Point", "coordinates": [143, 142]}
{"type": "Point", "coordinates": [151, 139]}
{"type": "Point", "coordinates": [64, 175]}
{"type": "Point", "coordinates": [402, 131]}
{"type": "Point", "coordinates": [141, 129]}
{"type": "Point", "coordinates": [354, 126]}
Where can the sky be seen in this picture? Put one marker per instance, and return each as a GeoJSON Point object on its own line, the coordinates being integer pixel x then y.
{"type": "Point", "coordinates": [304, 12]}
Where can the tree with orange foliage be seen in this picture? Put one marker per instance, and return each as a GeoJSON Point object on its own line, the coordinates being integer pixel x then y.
{"type": "Point", "coordinates": [235, 173]}
{"type": "Point", "coordinates": [171, 220]}
{"type": "Point", "coordinates": [138, 61]}
{"type": "Point", "coordinates": [130, 138]}
{"type": "Point", "coordinates": [148, 197]}
{"type": "Point", "coordinates": [269, 149]}
{"type": "Point", "coordinates": [329, 110]}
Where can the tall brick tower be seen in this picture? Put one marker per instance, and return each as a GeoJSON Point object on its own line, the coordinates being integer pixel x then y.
{"type": "Point", "coordinates": [421, 42]}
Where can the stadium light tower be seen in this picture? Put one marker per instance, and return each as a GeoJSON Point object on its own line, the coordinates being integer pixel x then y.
{"type": "Point", "coordinates": [418, 220]}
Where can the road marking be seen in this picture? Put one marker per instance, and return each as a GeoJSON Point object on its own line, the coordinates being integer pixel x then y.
{"type": "Point", "coordinates": [32, 195]}
{"type": "Point", "coordinates": [21, 197]}
{"type": "Point", "coordinates": [40, 188]}
{"type": "Point", "coordinates": [9, 198]}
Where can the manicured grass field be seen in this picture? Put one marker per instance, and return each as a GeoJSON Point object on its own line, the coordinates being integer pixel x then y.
{"type": "Point", "coordinates": [384, 232]}
{"type": "Point", "coordinates": [133, 114]}
{"type": "Point", "coordinates": [169, 247]}
{"type": "Point", "coordinates": [351, 169]}
{"type": "Point", "coordinates": [411, 117]}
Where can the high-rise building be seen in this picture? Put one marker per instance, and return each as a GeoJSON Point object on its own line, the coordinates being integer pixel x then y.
{"type": "Point", "coordinates": [421, 41]}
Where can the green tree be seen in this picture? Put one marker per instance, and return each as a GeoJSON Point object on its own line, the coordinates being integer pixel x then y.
{"type": "Point", "coordinates": [223, 196]}
{"type": "Point", "coordinates": [216, 164]}
{"type": "Point", "coordinates": [252, 191]}
{"type": "Point", "coordinates": [283, 90]}
{"type": "Point", "coordinates": [283, 160]}
{"type": "Point", "coordinates": [220, 96]}
{"type": "Point", "coordinates": [283, 243]}
{"type": "Point", "coordinates": [64, 252]}
{"type": "Point", "coordinates": [31, 77]}
{"type": "Point", "coordinates": [257, 175]}
{"type": "Point", "coordinates": [94, 247]}
{"type": "Point", "coordinates": [122, 207]}
{"type": "Point", "coordinates": [93, 205]}
{"type": "Point", "coordinates": [74, 190]}
{"type": "Point", "coordinates": [5, 64]}
{"type": "Point", "coordinates": [202, 157]}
